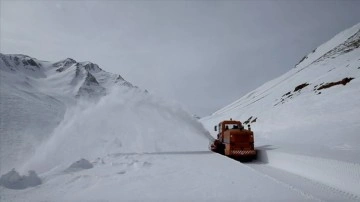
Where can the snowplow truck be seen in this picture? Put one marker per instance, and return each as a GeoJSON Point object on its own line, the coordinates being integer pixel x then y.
{"type": "Point", "coordinates": [233, 140]}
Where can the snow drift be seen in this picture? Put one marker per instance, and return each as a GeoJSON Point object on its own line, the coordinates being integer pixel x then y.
{"type": "Point", "coordinates": [79, 165]}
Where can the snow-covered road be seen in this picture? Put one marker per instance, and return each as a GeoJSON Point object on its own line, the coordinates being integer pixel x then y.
{"type": "Point", "coordinates": [179, 176]}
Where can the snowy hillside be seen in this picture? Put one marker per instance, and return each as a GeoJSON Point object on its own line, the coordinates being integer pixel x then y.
{"type": "Point", "coordinates": [306, 121]}
{"type": "Point", "coordinates": [317, 101]}
{"type": "Point", "coordinates": [35, 95]}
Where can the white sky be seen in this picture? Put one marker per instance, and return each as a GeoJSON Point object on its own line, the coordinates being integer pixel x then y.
{"type": "Point", "coordinates": [203, 54]}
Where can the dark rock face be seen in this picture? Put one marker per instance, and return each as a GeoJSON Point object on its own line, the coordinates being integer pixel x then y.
{"type": "Point", "coordinates": [21, 63]}
{"type": "Point", "coordinates": [91, 88]}
{"type": "Point", "coordinates": [331, 84]}
{"type": "Point", "coordinates": [16, 60]}
{"type": "Point", "coordinates": [32, 63]}
{"type": "Point", "coordinates": [301, 86]}
{"type": "Point", "coordinates": [61, 69]}
{"type": "Point", "coordinates": [92, 67]}
{"type": "Point", "coordinates": [90, 79]}
{"type": "Point", "coordinates": [13, 180]}
{"type": "Point", "coordinates": [65, 63]}
{"type": "Point", "coordinates": [6, 62]}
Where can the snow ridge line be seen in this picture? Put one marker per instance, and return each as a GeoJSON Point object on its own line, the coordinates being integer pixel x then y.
{"type": "Point", "coordinates": [341, 176]}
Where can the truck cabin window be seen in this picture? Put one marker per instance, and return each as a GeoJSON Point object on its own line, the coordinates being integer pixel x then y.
{"type": "Point", "coordinates": [232, 126]}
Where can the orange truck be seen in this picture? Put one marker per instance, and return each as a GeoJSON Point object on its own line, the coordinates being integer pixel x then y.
{"type": "Point", "coordinates": [234, 140]}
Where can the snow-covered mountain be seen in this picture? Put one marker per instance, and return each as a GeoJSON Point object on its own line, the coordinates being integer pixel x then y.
{"type": "Point", "coordinates": [314, 108]}
{"type": "Point", "coordinates": [60, 112]}
{"type": "Point", "coordinates": [35, 95]}
{"type": "Point", "coordinates": [86, 78]}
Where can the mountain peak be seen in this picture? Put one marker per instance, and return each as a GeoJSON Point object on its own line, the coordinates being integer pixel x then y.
{"type": "Point", "coordinates": [92, 67]}
{"type": "Point", "coordinates": [66, 62]}
{"type": "Point", "coordinates": [21, 63]}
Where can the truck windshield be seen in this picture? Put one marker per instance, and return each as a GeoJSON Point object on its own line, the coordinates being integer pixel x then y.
{"type": "Point", "coordinates": [232, 126]}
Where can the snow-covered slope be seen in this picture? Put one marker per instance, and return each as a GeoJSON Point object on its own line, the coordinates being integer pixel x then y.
{"type": "Point", "coordinates": [35, 95]}
{"type": "Point", "coordinates": [312, 109]}
{"type": "Point", "coordinates": [342, 42]}
{"type": "Point", "coordinates": [307, 121]}
{"type": "Point", "coordinates": [56, 113]}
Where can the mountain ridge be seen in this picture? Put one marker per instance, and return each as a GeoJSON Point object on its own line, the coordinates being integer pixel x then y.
{"type": "Point", "coordinates": [350, 35]}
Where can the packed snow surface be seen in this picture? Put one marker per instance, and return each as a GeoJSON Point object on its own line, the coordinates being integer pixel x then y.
{"type": "Point", "coordinates": [196, 176]}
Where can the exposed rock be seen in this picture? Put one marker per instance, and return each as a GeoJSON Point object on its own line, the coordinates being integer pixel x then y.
{"type": "Point", "coordinates": [64, 63]}
{"type": "Point", "coordinates": [13, 180]}
{"type": "Point", "coordinates": [301, 86]}
{"type": "Point", "coordinates": [248, 120]}
{"type": "Point", "coordinates": [331, 84]}
{"type": "Point", "coordinates": [92, 67]}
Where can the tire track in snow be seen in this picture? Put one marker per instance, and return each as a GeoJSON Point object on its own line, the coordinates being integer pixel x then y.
{"type": "Point", "coordinates": [306, 195]}
{"type": "Point", "coordinates": [309, 188]}
{"type": "Point", "coordinates": [341, 175]}
{"type": "Point", "coordinates": [326, 179]}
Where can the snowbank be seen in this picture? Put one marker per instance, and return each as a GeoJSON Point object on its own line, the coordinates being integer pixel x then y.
{"type": "Point", "coordinates": [79, 165]}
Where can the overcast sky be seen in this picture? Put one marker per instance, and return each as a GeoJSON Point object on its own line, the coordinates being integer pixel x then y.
{"type": "Point", "coordinates": [203, 54]}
